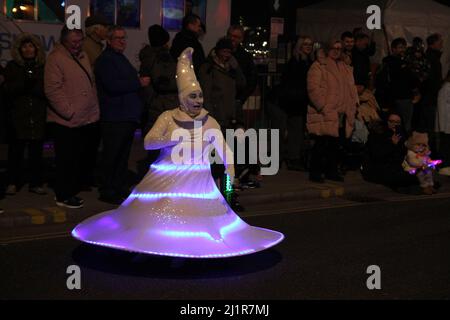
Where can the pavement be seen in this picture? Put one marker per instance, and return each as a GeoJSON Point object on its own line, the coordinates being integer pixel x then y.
{"type": "Point", "coordinates": [286, 191]}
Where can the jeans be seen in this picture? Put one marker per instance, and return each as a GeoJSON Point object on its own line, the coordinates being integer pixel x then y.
{"type": "Point", "coordinates": [16, 157]}
{"type": "Point", "coordinates": [69, 149]}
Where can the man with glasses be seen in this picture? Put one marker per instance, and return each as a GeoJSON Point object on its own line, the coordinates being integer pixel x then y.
{"type": "Point", "coordinates": [70, 88]}
{"type": "Point", "coordinates": [120, 113]}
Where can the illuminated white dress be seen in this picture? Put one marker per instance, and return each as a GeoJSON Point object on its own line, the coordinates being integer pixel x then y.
{"type": "Point", "coordinates": [177, 210]}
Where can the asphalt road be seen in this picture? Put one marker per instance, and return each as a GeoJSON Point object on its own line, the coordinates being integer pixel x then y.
{"type": "Point", "coordinates": [325, 255]}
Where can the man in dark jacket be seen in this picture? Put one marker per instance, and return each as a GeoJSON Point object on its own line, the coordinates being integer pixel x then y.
{"type": "Point", "coordinates": [361, 53]}
{"type": "Point", "coordinates": [118, 87]}
{"type": "Point", "coordinates": [161, 67]}
{"type": "Point", "coordinates": [245, 60]}
{"type": "Point", "coordinates": [432, 84]}
{"type": "Point", "coordinates": [188, 37]}
{"type": "Point", "coordinates": [402, 84]}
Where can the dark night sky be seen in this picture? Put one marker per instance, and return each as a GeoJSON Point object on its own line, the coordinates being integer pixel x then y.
{"type": "Point", "coordinates": [259, 12]}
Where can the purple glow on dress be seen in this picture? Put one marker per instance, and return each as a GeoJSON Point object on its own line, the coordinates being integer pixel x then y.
{"type": "Point", "coordinates": [175, 167]}
{"type": "Point", "coordinates": [177, 211]}
{"type": "Point", "coordinates": [150, 196]}
{"type": "Point", "coordinates": [187, 234]}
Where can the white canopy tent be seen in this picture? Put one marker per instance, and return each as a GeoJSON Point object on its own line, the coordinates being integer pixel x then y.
{"type": "Point", "coordinates": [327, 19]}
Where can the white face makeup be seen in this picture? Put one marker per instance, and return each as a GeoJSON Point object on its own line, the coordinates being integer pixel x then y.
{"type": "Point", "coordinates": [193, 103]}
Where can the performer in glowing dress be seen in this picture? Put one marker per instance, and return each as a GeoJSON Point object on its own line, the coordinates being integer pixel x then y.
{"type": "Point", "coordinates": [177, 209]}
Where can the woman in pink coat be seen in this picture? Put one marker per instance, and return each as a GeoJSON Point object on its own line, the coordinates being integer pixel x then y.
{"type": "Point", "coordinates": [331, 113]}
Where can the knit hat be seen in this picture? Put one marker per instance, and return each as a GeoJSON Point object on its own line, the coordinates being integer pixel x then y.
{"type": "Point", "coordinates": [224, 43]}
{"type": "Point", "coordinates": [157, 36]}
{"type": "Point", "coordinates": [417, 138]}
{"type": "Point", "coordinates": [186, 78]}
{"type": "Point", "coordinates": [96, 19]}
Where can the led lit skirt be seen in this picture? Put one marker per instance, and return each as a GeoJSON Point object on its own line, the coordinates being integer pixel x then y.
{"type": "Point", "coordinates": [176, 211]}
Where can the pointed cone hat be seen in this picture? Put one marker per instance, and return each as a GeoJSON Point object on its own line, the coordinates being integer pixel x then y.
{"type": "Point", "coordinates": [186, 79]}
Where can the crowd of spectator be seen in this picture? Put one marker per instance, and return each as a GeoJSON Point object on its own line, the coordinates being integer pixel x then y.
{"type": "Point", "coordinates": [87, 96]}
{"type": "Point", "coordinates": [346, 104]}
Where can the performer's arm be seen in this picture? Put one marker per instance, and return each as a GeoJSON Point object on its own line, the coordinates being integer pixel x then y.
{"type": "Point", "coordinates": [159, 136]}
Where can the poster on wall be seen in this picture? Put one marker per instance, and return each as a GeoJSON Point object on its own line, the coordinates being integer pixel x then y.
{"type": "Point", "coordinates": [172, 14]}
{"type": "Point", "coordinates": [126, 13]}
{"type": "Point", "coordinates": [129, 13]}
{"type": "Point", "coordinates": [105, 8]}
{"type": "Point", "coordinates": [198, 7]}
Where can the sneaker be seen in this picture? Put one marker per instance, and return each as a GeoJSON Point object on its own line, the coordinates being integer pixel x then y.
{"type": "Point", "coordinates": [37, 190]}
{"type": "Point", "coordinates": [71, 203]}
{"type": "Point", "coordinates": [11, 190]}
{"type": "Point", "coordinates": [77, 198]}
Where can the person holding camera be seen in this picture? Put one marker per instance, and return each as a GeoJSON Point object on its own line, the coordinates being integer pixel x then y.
{"type": "Point", "coordinates": [27, 111]}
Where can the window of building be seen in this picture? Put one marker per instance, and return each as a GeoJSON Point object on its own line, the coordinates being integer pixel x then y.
{"type": "Point", "coordinates": [126, 13]}
{"type": "Point", "coordinates": [50, 11]}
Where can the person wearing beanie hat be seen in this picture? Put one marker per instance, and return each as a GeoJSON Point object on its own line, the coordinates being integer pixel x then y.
{"type": "Point", "coordinates": [221, 79]}
{"type": "Point", "coordinates": [177, 210]}
{"type": "Point", "coordinates": [158, 36]}
{"type": "Point", "coordinates": [158, 64]}
{"type": "Point", "coordinates": [418, 162]}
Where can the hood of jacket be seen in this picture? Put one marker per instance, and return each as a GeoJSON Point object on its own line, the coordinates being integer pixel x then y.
{"type": "Point", "coordinates": [15, 50]}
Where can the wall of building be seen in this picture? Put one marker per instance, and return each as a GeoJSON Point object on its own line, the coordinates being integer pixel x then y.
{"type": "Point", "coordinates": [218, 20]}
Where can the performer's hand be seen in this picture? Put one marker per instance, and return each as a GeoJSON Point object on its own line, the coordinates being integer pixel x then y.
{"type": "Point", "coordinates": [229, 170]}
{"type": "Point", "coordinates": [145, 81]}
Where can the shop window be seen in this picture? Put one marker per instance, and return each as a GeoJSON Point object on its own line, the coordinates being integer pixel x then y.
{"type": "Point", "coordinates": [50, 11]}
{"type": "Point", "coordinates": [126, 13]}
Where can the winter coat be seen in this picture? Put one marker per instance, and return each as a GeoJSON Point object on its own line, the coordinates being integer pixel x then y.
{"type": "Point", "coordinates": [443, 113]}
{"type": "Point", "coordinates": [401, 81]}
{"type": "Point", "coordinates": [332, 92]}
{"type": "Point", "coordinates": [118, 88]}
{"type": "Point", "coordinates": [24, 92]}
{"type": "Point", "coordinates": [159, 65]}
{"type": "Point", "coordinates": [433, 83]}
{"type": "Point", "coordinates": [162, 94]}
{"type": "Point", "coordinates": [185, 39]}
{"type": "Point", "coordinates": [248, 68]}
{"type": "Point", "coordinates": [361, 64]}
{"type": "Point", "coordinates": [220, 84]}
{"type": "Point", "coordinates": [70, 89]}
{"type": "Point", "coordinates": [294, 94]}
{"type": "Point", "coordinates": [93, 48]}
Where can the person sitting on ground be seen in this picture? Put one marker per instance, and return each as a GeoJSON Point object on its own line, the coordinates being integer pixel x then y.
{"type": "Point", "coordinates": [384, 155]}
{"type": "Point", "coordinates": [418, 162]}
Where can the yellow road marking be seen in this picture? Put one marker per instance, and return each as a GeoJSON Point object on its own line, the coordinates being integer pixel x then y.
{"type": "Point", "coordinates": [37, 216]}
{"type": "Point", "coordinates": [58, 214]}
